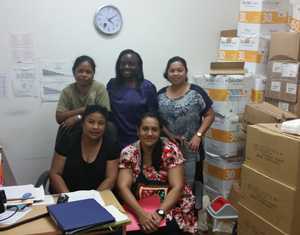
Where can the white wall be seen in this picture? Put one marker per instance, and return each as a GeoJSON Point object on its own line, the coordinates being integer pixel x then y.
{"type": "Point", "coordinates": [63, 30]}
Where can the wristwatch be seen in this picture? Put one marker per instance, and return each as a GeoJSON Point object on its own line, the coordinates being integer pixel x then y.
{"type": "Point", "coordinates": [161, 213]}
{"type": "Point", "coordinates": [199, 134]}
{"type": "Point", "coordinates": [79, 117]}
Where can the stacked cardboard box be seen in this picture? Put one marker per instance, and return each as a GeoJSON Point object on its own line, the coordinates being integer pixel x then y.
{"type": "Point", "coordinates": [261, 17]}
{"type": "Point", "coordinates": [270, 190]}
{"type": "Point", "coordinates": [220, 173]}
{"type": "Point", "coordinates": [229, 88]}
{"type": "Point", "coordinates": [251, 50]}
{"type": "Point", "coordinates": [265, 113]}
{"type": "Point", "coordinates": [283, 74]}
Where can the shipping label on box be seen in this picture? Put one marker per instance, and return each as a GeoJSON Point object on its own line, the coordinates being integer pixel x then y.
{"type": "Point", "coordinates": [270, 199]}
{"type": "Point", "coordinates": [250, 223]}
{"type": "Point", "coordinates": [273, 153]}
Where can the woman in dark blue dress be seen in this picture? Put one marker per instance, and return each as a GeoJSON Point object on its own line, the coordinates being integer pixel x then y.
{"type": "Point", "coordinates": [130, 96]}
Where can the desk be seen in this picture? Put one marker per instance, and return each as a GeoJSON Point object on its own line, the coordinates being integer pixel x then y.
{"type": "Point", "coordinates": [45, 225]}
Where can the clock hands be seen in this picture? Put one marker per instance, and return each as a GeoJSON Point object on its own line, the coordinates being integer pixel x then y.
{"type": "Point", "coordinates": [110, 18]}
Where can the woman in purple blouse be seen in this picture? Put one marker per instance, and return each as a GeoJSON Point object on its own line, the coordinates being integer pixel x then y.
{"type": "Point", "coordinates": [130, 96]}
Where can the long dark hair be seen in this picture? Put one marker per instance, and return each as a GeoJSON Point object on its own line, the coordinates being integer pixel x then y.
{"type": "Point", "coordinates": [158, 147]}
{"type": "Point", "coordinates": [140, 73]}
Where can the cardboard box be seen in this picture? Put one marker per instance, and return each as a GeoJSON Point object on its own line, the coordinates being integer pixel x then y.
{"type": "Point", "coordinates": [263, 30]}
{"type": "Point", "coordinates": [258, 89]}
{"type": "Point", "coordinates": [293, 107]}
{"type": "Point", "coordinates": [220, 173]}
{"type": "Point", "coordinates": [281, 89]}
{"type": "Point", "coordinates": [264, 6]}
{"type": "Point", "coordinates": [277, 203]}
{"type": "Point", "coordinates": [230, 93]}
{"type": "Point", "coordinates": [249, 223]}
{"type": "Point", "coordinates": [285, 70]}
{"type": "Point", "coordinates": [273, 153]}
{"type": "Point", "coordinates": [265, 113]}
{"type": "Point", "coordinates": [227, 68]}
{"type": "Point", "coordinates": [285, 46]}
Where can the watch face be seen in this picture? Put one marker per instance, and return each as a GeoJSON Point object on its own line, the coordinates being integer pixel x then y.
{"type": "Point", "coordinates": [108, 20]}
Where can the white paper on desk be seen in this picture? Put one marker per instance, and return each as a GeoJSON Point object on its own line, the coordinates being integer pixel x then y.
{"type": "Point", "coordinates": [19, 215]}
{"type": "Point", "coordinates": [48, 200]}
{"type": "Point", "coordinates": [85, 194]}
{"type": "Point", "coordinates": [116, 213]}
{"type": "Point", "coordinates": [17, 192]}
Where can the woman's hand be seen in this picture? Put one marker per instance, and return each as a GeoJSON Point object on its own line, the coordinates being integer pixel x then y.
{"type": "Point", "coordinates": [194, 143]}
{"type": "Point", "coordinates": [156, 217]}
{"type": "Point", "coordinates": [71, 121]}
{"type": "Point", "coordinates": [147, 223]}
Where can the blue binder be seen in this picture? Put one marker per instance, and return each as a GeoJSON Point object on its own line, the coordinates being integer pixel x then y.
{"type": "Point", "coordinates": [75, 216]}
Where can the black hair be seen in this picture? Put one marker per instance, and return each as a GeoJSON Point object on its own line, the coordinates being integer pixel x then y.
{"type": "Point", "coordinates": [158, 148]}
{"type": "Point", "coordinates": [82, 59]}
{"type": "Point", "coordinates": [95, 109]}
{"type": "Point", "coordinates": [171, 61]}
{"type": "Point", "coordinates": [140, 73]}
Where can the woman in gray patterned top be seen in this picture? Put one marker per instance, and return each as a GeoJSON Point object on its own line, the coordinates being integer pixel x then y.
{"type": "Point", "coordinates": [187, 112]}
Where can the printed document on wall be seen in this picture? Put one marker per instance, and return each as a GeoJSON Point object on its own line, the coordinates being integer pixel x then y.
{"type": "Point", "coordinates": [55, 77]}
{"type": "Point", "coordinates": [3, 85]}
{"type": "Point", "coordinates": [24, 81]}
{"type": "Point", "coordinates": [22, 47]}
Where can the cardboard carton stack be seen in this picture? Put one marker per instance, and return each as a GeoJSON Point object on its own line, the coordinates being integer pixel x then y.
{"type": "Point", "coordinates": [250, 43]}
{"type": "Point", "coordinates": [228, 87]}
{"type": "Point", "coordinates": [270, 190]}
{"type": "Point", "coordinates": [283, 74]}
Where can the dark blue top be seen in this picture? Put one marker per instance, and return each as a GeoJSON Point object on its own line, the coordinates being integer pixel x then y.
{"type": "Point", "coordinates": [128, 105]}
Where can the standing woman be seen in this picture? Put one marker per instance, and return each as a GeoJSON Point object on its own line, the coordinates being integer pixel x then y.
{"type": "Point", "coordinates": [186, 110]}
{"type": "Point", "coordinates": [84, 91]}
{"type": "Point", "coordinates": [130, 96]}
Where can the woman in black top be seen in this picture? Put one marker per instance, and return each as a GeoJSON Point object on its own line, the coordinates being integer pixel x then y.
{"type": "Point", "coordinates": [88, 158]}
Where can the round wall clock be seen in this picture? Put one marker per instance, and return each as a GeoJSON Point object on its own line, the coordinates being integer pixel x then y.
{"type": "Point", "coordinates": [108, 20]}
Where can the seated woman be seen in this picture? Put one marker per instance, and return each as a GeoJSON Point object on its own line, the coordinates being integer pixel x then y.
{"type": "Point", "coordinates": [154, 160]}
{"type": "Point", "coordinates": [87, 159]}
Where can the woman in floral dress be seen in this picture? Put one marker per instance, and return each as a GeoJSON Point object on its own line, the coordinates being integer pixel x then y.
{"type": "Point", "coordinates": [156, 161]}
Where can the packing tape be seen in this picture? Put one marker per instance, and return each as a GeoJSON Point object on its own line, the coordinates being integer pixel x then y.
{"type": "Point", "coordinates": [222, 174]}
{"type": "Point", "coordinates": [263, 17]}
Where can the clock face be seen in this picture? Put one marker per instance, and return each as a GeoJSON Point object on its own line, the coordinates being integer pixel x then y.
{"type": "Point", "coordinates": [108, 20]}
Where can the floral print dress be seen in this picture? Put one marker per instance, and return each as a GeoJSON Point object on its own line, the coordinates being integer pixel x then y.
{"type": "Point", "coordinates": [184, 211]}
